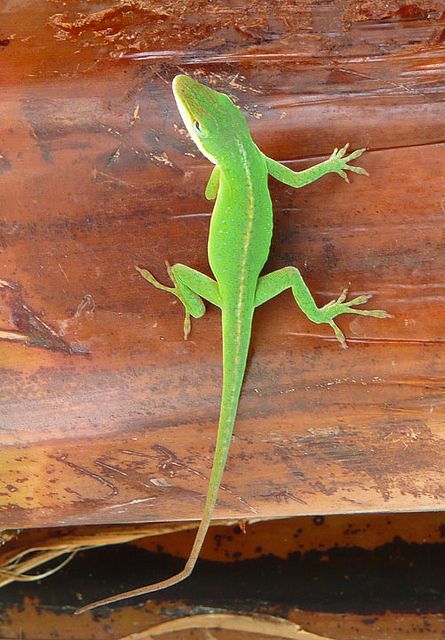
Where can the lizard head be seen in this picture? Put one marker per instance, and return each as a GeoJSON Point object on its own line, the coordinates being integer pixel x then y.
{"type": "Point", "coordinates": [210, 117]}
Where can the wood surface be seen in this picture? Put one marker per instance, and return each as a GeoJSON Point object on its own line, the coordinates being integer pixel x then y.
{"type": "Point", "coordinates": [107, 415]}
{"type": "Point", "coordinates": [360, 577]}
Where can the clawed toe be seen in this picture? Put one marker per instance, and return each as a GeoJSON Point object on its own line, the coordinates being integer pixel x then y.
{"type": "Point", "coordinates": [152, 280]}
{"type": "Point", "coordinates": [358, 300]}
{"type": "Point", "coordinates": [187, 325]}
{"type": "Point", "coordinates": [338, 334]}
{"type": "Point", "coordinates": [344, 149]}
{"type": "Point", "coordinates": [342, 297]}
{"type": "Point", "coordinates": [379, 313]}
{"type": "Point", "coordinates": [355, 154]}
{"type": "Point", "coordinates": [359, 170]}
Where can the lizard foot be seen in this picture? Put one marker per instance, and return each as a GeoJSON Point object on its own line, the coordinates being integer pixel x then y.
{"type": "Point", "coordinates": [340, 162]}
{"type": "Point", "coordinates": [337, 307]}
{"type": "Point", "coordinates": [189, 305]}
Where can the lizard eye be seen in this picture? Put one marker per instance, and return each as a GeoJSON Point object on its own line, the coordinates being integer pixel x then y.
{"type": "Point", "coordinates": [198, 129]}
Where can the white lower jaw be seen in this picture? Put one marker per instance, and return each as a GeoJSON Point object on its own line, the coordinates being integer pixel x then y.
{"type": "Point", "coordinates": [189, 123]}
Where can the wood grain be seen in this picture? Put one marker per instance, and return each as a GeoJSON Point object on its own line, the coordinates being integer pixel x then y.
{"type": "Point", "coordinates": [107, 415]}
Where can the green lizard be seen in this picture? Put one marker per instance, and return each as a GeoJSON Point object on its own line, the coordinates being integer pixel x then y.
{"type": "Point", "coordinates": [239, 243]}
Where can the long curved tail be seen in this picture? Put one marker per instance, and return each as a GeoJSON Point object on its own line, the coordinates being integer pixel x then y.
{"type": "Point", "coordinates": [236, 340]}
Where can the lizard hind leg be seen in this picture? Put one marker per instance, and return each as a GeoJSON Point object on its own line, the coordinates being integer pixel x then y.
{"type": "Point", "coordinates": [274, 283]}
{"type": "Point", "coordinates": [190, 286]}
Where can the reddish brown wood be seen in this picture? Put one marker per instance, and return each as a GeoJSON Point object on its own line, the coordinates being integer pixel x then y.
{"type": "Point", "coordinates": [107, 415]}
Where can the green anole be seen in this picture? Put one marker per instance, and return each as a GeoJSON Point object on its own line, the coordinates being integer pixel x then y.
{"type": "Point", "coordinates": [238, 247]}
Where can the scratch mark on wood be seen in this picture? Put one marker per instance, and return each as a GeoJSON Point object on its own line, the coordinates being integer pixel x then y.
{"type": "Point", "coordinates": [284, 495]}
{"type": "Point", "coordinates": [171, 460]}
{"type": "Point", "coordinates": [87, 304]}
{"type": "Point", "coordinates": [100, 176]}
{"type": "Point", "coordinates": [90, 474]}
{"type": "Point", "coordinates": [129, 503]}
{"type": "Point", "coordinates": [135, 115]}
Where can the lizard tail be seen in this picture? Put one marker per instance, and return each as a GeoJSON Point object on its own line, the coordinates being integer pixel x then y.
{"type": "Point", "coordinates": [234, 365]}
{"type": "Point", "coordinates": [236, 340]}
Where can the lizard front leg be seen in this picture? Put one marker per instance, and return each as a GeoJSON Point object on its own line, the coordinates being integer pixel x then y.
{"type": "Point", "coordinates": [190, 286]}
{"type": "Point", "coordinates": [337, 163]}
{"type": "Point", "coordinates": [274, 283]}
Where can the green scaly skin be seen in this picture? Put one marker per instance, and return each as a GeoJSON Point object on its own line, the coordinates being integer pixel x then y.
{"type": "Point", "coordinates": [239, 243]}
